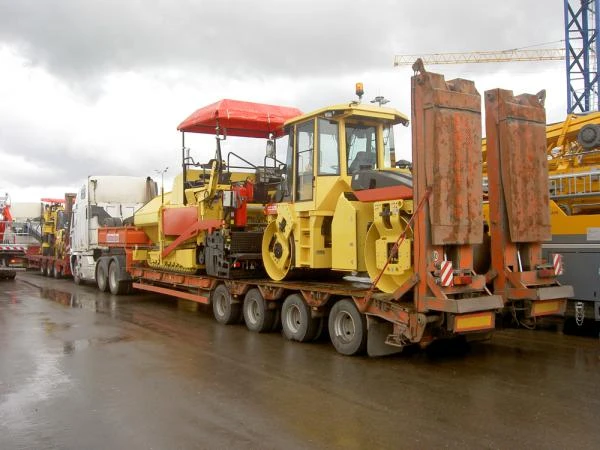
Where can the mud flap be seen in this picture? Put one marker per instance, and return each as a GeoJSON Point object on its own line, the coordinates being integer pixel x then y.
{"type": "Point", "coordinates": [377, 333]}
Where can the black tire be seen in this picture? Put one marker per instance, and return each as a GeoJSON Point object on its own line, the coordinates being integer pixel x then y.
{"type": "Point", "coordinates": [116, 286]}
{"type": "Point", "coordinates": [257, 316]}
{"type": "Point", "coordinates": [56, 272]}
{"type": "Point", "coordinates": [128, 287]}
{"type": "Point", "coordinates": [225, 311]}
{"type": "Point", "coordinates": [347, 328]}
{"type": "Point", "coordinates": [42, 269]}
{"type": "Point", "coordinates": [102, 277]}
{"type": "Point", "coordinates": [322, 330]}
{"type": "Point", "coordinates": [11, 276]}
{"type": "Point", "coordinates": [277, 319]}
{"type": "Point", "coordinates": [297, 321]}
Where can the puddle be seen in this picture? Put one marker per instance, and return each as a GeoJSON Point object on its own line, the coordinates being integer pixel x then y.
{"type": "Point", "coordinates": [82, 300]}
{"type": "Point", "coordinates": [71, 347]}
{"type": "Point", "coordinates": [52, 327]}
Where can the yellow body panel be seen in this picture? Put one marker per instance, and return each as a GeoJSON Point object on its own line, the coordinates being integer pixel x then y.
{"type": "Point", "coordinates": [139, 255]}
{"type": "Point", "coordinates": [575, 224]}
{"type": "Point", "coordinates": [349, 226]}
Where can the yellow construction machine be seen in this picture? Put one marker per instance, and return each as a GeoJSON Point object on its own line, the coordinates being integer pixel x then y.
{"type": "Point", "coordinates": [212, 221]}
{"type": "Point", "coordinates": [344, 200]}
{"type": "Point", "coordinates": [55, 225]}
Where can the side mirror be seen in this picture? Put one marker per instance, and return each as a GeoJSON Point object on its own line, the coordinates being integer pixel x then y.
{"type": "Point", "coordinates": [270, 150]}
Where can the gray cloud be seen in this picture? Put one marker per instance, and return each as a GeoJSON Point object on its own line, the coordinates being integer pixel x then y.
{"type": "Point", "coordinates": [82, 39]}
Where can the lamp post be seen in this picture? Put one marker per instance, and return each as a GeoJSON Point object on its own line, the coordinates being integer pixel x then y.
{"type": "Point", "coordinates": [161, 172]}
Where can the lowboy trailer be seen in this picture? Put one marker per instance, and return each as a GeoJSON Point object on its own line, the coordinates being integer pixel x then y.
{"type": "Point", "coordinates": [423, 230]}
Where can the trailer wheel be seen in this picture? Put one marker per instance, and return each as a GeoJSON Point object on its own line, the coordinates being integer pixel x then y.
{"type": "Point", "coordinates": [116, 286]}
{"type": "Point", "coordinates": [224, 310]}
{"type": "Point", "coordinates": [102, 277]}
{"type": "Point", "coordinates": [297, 321]}
{"type": "Point", "coordinates": [347, 328]}
{"type": "Point", "coordinates": [257, 316]}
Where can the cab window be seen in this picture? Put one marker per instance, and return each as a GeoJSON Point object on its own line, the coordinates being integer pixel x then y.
{"type": "Point", "coordinates": [389, 150]}
{"type": "Point", "coordinates": [289, 166]}
{"type": "Point", "coordinates": [305, 134]}
{"type": "Point", "coordinates": [329, 157]}
{"type": "Point", "coordinates": [361, 144]}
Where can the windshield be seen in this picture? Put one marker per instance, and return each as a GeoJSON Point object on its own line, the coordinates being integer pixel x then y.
{"type": "Point", "coordinates": [361, 146]}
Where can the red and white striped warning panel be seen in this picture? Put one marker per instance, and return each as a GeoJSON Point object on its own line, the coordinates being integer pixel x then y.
{"type": "Point", "coordinates": [446, 273]}
{"type": "Point", "coordinates": [557, 263]}
{"type": "Point", "coordinates": [17, 248]}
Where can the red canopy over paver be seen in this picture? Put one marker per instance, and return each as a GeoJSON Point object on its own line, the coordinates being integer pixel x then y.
{"type": "Point", "coordinates": [238, 118]}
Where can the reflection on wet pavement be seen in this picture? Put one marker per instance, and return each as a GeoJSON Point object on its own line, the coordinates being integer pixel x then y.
{"type": "Point", "coordinates": [84, 369]}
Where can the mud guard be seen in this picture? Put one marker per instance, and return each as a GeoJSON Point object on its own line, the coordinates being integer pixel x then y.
{"type": "Point", "coordinates": [377, 333]}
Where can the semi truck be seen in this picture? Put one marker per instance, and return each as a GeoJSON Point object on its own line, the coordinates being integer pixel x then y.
{"type": "Point", "coordinates": [274, 244]}
{"type": "Point", "coordinates": [103, 201]}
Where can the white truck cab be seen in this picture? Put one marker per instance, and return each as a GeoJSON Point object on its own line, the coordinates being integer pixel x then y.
{"type": "Point", "coordinates": [102, 201]}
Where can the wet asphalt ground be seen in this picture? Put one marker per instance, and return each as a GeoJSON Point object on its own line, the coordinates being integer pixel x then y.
{"type": "Point", "coordinates": [80, 369]}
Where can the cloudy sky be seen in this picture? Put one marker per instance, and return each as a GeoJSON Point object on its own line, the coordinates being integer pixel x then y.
{"type": "Point", "coordinates": [91, 87]}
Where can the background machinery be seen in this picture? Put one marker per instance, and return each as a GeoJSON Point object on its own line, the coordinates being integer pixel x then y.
{"type": "Point", "coordinates": [13, 242]}
{"type": "Point", "coordinates": [54, 236]}
{"type": "Point", "coordinates": [573, 151]}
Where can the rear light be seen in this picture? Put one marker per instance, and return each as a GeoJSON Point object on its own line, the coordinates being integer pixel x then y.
{"type": "Point", "coordinates": [545, 273]}
{"type": "Point", "coordinates": [462, 280]}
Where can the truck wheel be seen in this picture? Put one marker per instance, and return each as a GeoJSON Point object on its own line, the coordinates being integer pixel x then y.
{"type": "Point", "coordinates": [296, 320]}
{"type": "Point", "coordinates": [257, 316]}
{"type": "Point", "coordinates": [116, 286]}
{"type": "Point", "coordinates": [224, 310]}
{"type": "Point", "coordinates": [56, 271]}
{"type": "Point", "coordinates": [102, 278]}
{"type": "Point", "coordinates": [42, 270]}
{"type": "Point", "coordinates": [347, 328]}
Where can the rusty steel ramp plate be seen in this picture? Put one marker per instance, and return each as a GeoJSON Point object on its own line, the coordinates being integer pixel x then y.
{"type": "Point", "coordinates": [453, 160]}
{"type": "Point", "coordinates": [521, 136]}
